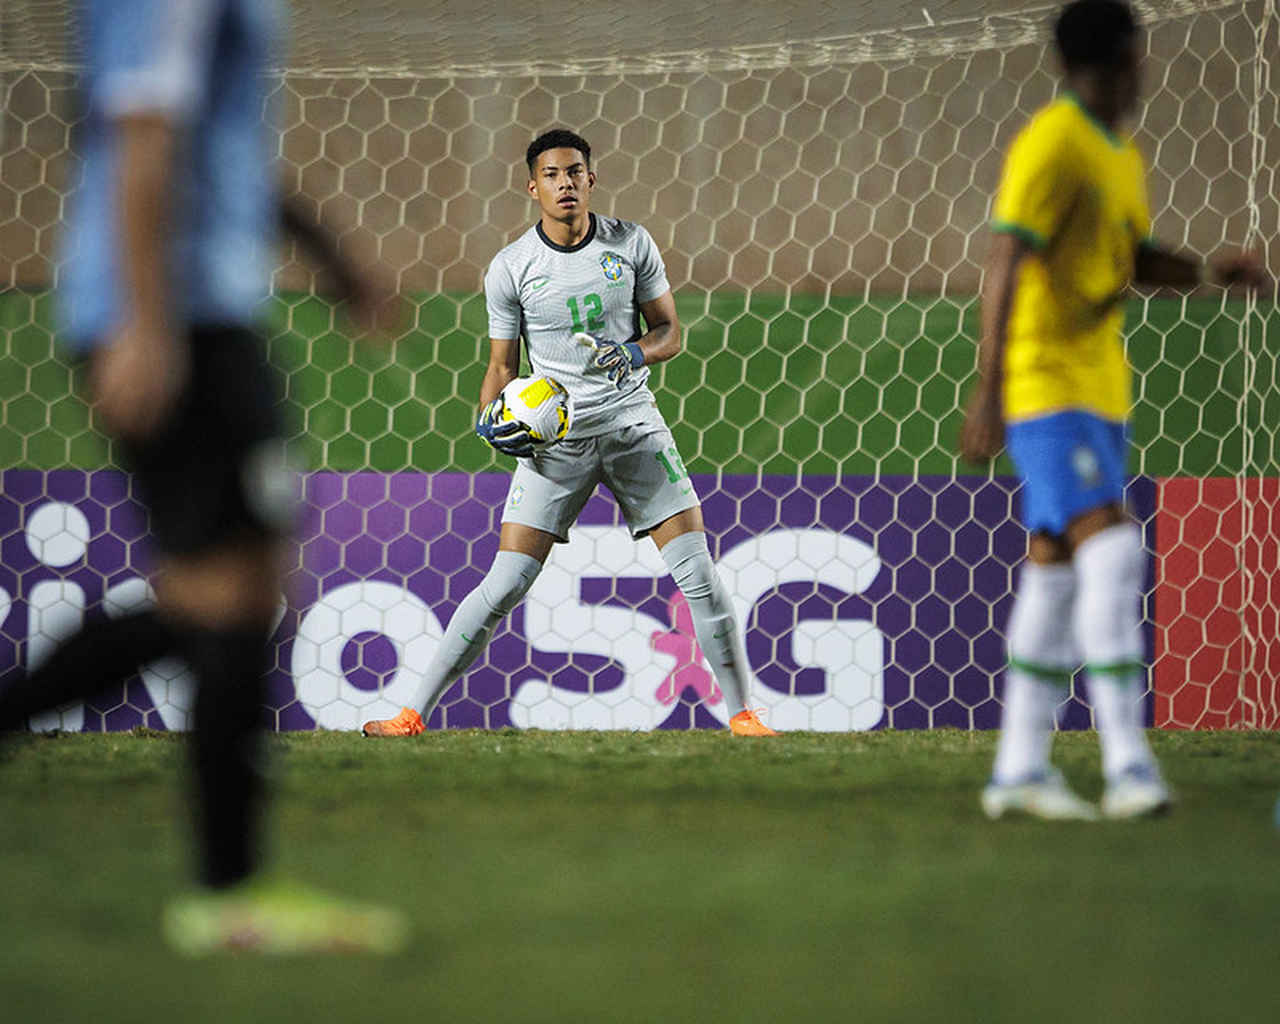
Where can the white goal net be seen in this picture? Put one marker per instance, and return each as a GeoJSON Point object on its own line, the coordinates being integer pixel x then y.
{"type": "Point", "coordinates": [818, 177]}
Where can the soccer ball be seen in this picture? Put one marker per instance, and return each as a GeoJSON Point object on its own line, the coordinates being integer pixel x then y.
{"type": "Point", "coordinates": [541, 405]}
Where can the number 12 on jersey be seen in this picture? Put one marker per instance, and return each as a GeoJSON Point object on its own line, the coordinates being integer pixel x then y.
{"type": "Point", "coordinates": [593, 307]}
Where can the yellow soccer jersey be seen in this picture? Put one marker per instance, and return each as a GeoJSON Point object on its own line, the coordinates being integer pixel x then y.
{"type": "Point", "coordinates": [1077, 193]}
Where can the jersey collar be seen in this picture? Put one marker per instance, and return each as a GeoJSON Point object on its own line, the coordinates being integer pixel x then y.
{"type": "Point", "coordinates": [1110, 136]}
{"type": "Point", "coordinates": [587, 239]}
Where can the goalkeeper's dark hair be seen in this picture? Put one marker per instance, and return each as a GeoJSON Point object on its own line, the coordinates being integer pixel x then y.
{"type": "Point", "coordinates": [557, 138]}
{"type": "Point", "coordinates": [1094, 34]}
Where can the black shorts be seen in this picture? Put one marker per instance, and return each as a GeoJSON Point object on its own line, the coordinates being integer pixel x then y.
{"type": "Point", "coordinates": [214, 473]}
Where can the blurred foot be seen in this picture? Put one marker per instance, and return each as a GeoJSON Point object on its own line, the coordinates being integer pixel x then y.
{"type": "Point", "coordinates": [280, 918]}
{"type": "Point", "coordinates": [1041, 795]}
{"type": "Point", "coordinates": [1137, 792]}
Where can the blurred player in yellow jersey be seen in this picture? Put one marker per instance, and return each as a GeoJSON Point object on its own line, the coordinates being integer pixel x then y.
{"type": "Point", "coordinates": [1070, 235]}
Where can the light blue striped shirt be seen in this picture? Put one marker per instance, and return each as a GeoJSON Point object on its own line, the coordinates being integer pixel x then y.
{"type": "Point", "coordinates": [201, 63]}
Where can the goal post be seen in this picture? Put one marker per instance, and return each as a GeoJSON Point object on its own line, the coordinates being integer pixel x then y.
{"type": "Point", "coordinates": [819, 186]}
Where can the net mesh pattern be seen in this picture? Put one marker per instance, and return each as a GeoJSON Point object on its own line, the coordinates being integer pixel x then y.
{"type": "Point", "coordinates": [818, 177]}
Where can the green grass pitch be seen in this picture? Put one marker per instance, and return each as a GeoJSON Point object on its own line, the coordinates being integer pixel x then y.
{"type": "Point", "coordinates": [657, 877]}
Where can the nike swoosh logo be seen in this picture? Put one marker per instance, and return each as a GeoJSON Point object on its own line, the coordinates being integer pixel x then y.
{"type": "Point", "coordinates": [538, 283]}
{"type": "Point", "coordinates": [467, 638]}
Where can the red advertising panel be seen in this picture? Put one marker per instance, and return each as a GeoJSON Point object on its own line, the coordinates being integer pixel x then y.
{"type": "Point", "coordinates": [1217, 603]}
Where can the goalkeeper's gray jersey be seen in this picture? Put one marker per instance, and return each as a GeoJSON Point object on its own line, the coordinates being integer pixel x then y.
{"type": "Point", "coordinates": [544, 293]}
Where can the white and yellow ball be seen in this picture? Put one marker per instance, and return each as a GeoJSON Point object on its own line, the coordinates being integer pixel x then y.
{"type": "Point", "coordinates": [541, 405]}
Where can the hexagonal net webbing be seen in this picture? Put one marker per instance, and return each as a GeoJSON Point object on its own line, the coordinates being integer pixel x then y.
{"type": "Point", "coordinates": [818, 178]}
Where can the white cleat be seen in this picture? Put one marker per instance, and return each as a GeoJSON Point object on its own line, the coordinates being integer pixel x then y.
{"type": "Point", "coordinates": [1042, 795]}
{"type": "Point", "coordinates": [1137, 792]}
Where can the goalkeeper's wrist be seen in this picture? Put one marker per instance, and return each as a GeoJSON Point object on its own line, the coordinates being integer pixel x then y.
{"type": "Point", "coordinates": [635, 353]}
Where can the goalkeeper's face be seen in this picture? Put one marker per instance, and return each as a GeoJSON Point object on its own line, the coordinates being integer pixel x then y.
{"type": "Point", "coordinates": [562, 184]}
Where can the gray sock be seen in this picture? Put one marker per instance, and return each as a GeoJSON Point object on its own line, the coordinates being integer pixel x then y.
{"type": "Point", "coordinates": [503, 587]}
{"type": "Point", "coordinates": [695, 574]}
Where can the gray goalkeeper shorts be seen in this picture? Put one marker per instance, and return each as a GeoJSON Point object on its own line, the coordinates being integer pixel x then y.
{"type": "Point", "coordinates": [637, 462]}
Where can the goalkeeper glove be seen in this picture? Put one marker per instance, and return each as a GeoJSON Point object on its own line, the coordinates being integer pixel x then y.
{"type": "Point", "coordinates": [509, 438]}
{"type": "Point", "coordinates": [617, 359]}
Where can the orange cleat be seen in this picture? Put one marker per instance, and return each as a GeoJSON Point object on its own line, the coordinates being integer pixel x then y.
{"type": "Point", "coordinates": [747, 723]}
{"type": "Point", "coordinates": [407, 723]}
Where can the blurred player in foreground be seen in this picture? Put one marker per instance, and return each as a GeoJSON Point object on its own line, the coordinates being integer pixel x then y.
{"type": "Point", "coordinates": [167, 263]}
{"type": "Point", "coordinates": [1070, 235]}
{"type": "Point", "coordinates": [574, 287]}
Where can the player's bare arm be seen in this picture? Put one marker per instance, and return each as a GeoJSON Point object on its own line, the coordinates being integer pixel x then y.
{"type": "Point", "coordinates": [1157, 266]}
{"type": "Point", "coordinates": [982, 435]}
{"type": "Point", "coordinates": [372, 302]}
{"type": "Point", "coordinates": [138, 375]}
{"type": "Point", "coordinates": [664, 337]}
{"type": "Point", "coordinates": [503, 368]}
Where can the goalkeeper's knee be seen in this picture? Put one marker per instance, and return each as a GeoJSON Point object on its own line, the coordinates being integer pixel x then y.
{"type": "Point", "coordinates": [508, 580]}
{"type": "Point", "coordinates": [689, 560]}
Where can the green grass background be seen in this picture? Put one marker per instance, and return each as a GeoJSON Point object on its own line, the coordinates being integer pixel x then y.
{"type": "Point", "coordinates": [657, 877]}
{"type": "Point", "coordinates": [766, 383]}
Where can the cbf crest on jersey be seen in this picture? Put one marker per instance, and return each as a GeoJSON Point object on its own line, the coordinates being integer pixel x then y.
{"type": "Point", "coordinates": [611, 263]}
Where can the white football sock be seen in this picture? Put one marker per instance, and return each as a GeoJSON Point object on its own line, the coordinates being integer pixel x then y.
{"type": "Point", "coordinates": [503, 587]}
{"type": "Point", "coordinates": [1110, 567]}
{"type": "Point", "coordinates": [1042, 657]}
{"type": "Point", "coordinates": [1118, 708]}
{"type": "Point", "coordinates": [689, 561]}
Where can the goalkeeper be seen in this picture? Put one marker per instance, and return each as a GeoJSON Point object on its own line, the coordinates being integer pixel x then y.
{"type": "Point", "coordinates": [574, 287]}
{"type": "Point", "coordinates": [1070, 235]}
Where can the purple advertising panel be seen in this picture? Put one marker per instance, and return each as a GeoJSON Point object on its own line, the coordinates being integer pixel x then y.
{"type": "Point", "coordinates": [864, 603]}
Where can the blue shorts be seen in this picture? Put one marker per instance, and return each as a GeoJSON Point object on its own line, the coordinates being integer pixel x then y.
{"type": "Point", "coordinates": [1071, 462]}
